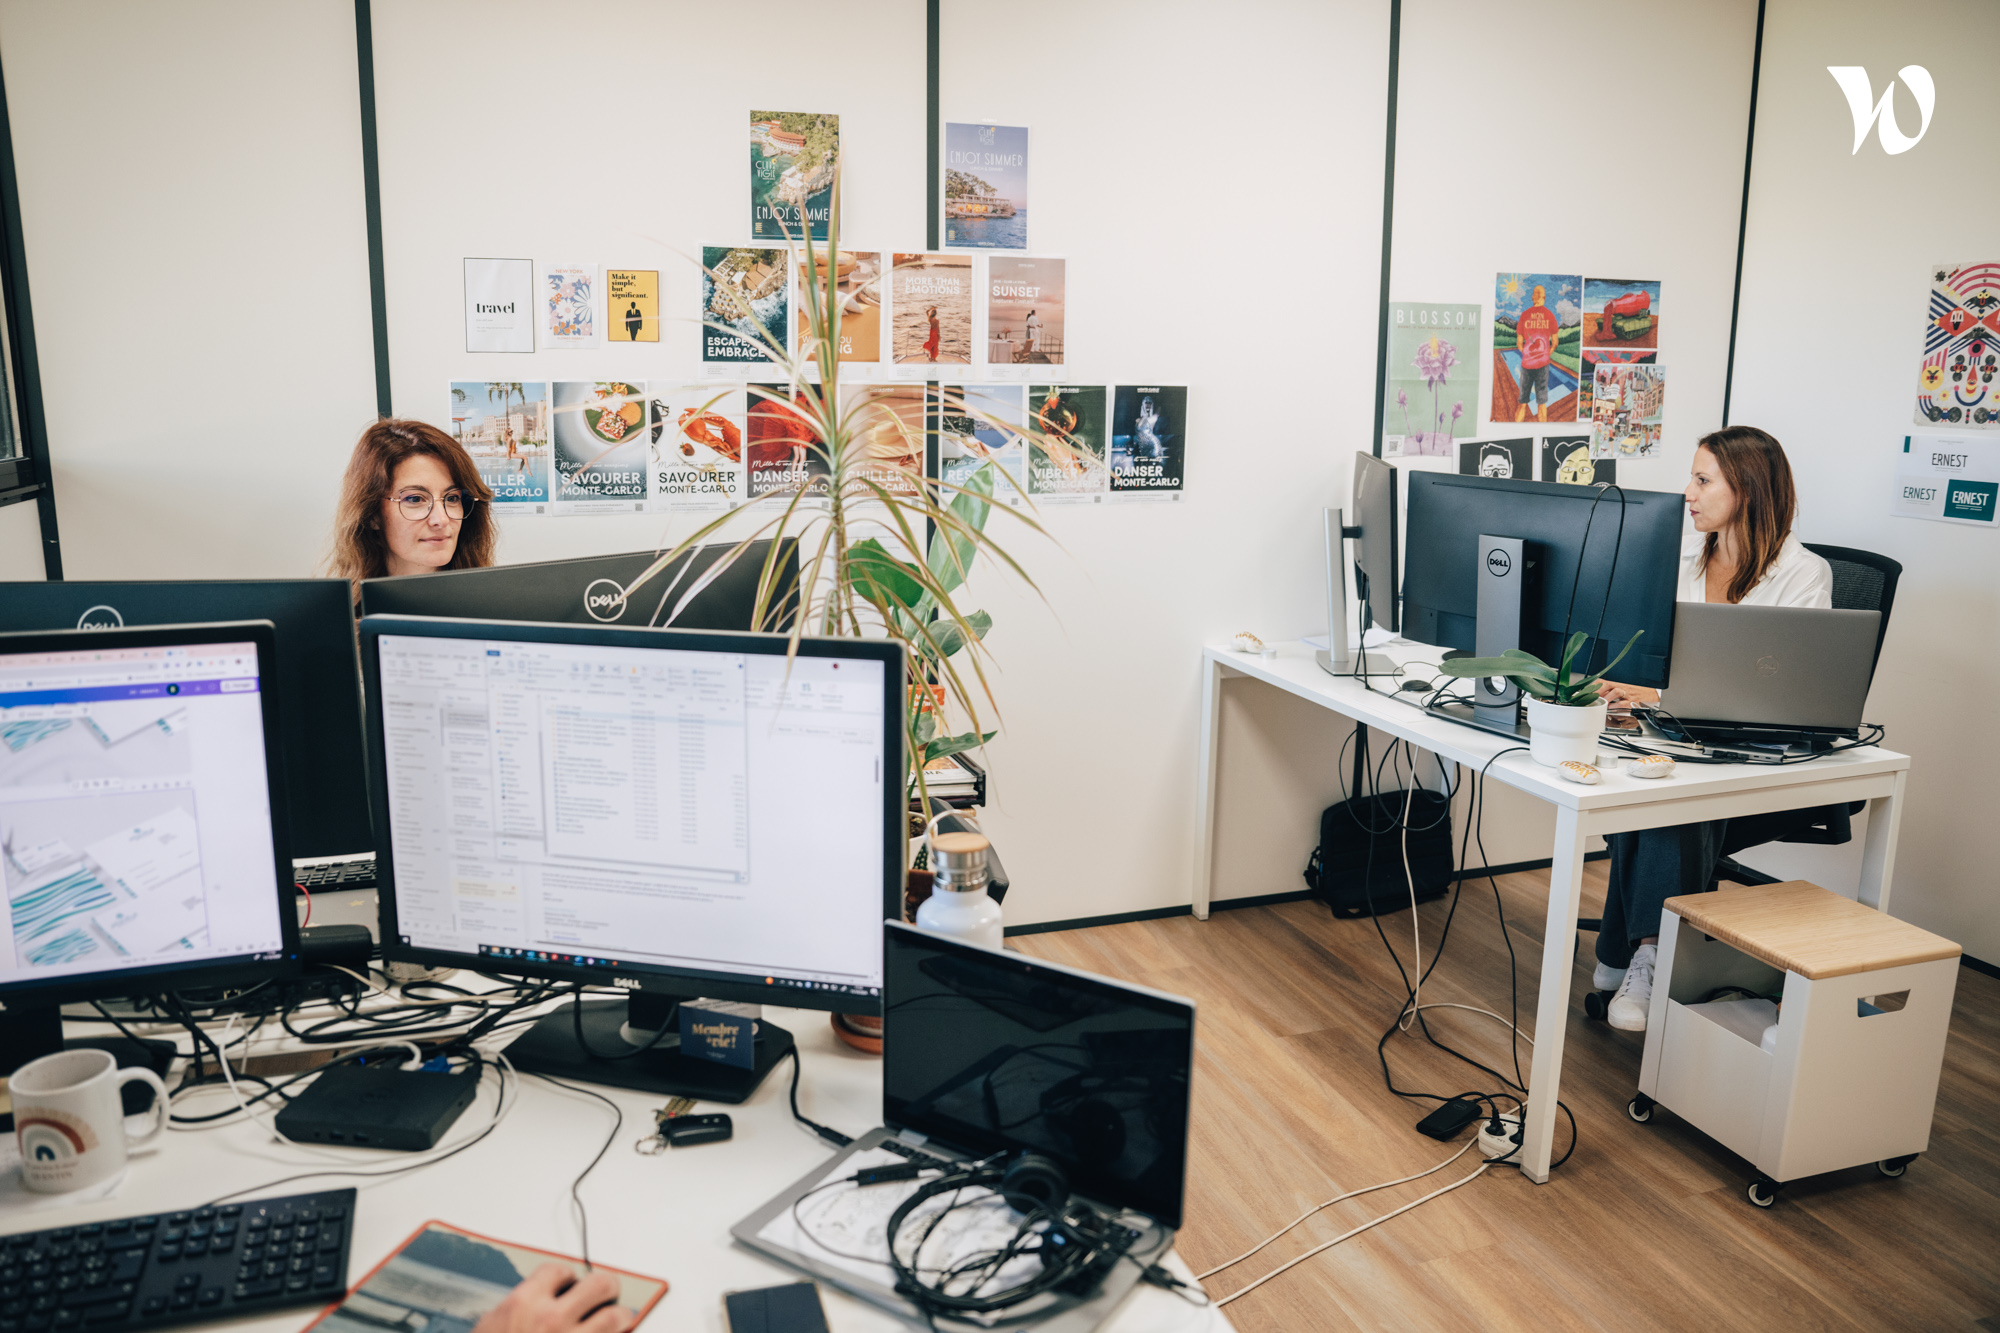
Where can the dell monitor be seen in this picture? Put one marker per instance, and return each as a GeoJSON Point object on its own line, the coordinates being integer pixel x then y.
{"type": "Point", "coordinates": [678, 814]}
{"type": "Point", "coordinates": [1371, 525]}
{"type": "Point", "coordinates": [138, 844]}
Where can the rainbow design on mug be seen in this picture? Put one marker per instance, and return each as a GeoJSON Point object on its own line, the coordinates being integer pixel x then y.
{"type": "Point", "coordinates": [43, 1138]}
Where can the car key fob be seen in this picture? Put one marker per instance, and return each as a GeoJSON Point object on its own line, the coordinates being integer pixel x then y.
{"type": "Point", "coordinates": [683, 1131]}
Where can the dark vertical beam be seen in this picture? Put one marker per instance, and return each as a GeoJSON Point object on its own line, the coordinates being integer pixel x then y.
{"type": "Point", "coordinates": [1388, 226]}
{"type": "Point", "coordinates": [1743, 220]}
{"type": "Point", "coordinates": [21, 344]}
{"type": "Point", "coordinates": [933, 131]}
{"type": "Point", "coordinates": [371, 188]}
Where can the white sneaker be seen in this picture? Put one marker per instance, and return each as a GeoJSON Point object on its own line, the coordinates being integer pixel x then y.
{"type": "Point", "coordinates": [1627, 1010]}
{"type": "Point", "coordinates": [1607, 977]}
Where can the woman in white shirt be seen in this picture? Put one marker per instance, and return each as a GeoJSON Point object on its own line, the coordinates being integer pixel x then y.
{"type": "Point", "coordinates": [1743, 550]}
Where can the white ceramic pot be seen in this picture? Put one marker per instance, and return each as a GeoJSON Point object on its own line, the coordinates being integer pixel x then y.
{"type": "Point", "coordinates": [1559, 733]}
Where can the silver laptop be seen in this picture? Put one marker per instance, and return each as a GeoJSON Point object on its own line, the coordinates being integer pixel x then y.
{"type": "Point", "coordinates": [1745, 669]}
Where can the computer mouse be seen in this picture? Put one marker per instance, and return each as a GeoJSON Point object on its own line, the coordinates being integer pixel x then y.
{"type": "Point", "coordinates": [1414, 686]}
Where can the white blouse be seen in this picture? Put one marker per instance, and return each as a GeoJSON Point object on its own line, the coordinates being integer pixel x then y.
{"type": "Point", "coordinates": [1797, 578]}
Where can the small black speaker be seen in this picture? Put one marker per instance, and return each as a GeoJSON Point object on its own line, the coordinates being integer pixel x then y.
{"type": "Point", "coordinates": [1033, 1181]}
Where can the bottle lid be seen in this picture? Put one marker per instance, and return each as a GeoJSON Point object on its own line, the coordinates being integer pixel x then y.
{"type": "Point", "coordinates": [959, 861]}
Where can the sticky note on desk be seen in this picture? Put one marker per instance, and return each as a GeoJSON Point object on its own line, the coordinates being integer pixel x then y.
{"type": "Point", "coordinates": [719, 1035]}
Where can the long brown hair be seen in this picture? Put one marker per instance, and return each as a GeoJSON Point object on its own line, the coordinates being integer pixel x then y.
{"type": "Point", "coordinates": [1753, 464]}
{"type": "Point", "coordinates": [360, 550]}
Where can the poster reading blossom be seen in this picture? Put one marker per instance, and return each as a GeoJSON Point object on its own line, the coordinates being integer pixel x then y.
{"type": "Point", "coordinates": [1433, 378]}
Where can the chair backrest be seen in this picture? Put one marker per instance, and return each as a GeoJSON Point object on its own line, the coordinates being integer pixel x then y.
{"type": "Point", "coordinates": [1862, 581]}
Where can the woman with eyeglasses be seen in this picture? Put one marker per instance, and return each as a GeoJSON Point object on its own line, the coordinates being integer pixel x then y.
{"type": "Point", "coordinates": [412, 503]}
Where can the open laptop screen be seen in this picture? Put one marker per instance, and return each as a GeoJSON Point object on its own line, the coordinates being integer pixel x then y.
{"type": "Point", "coordinates": [988, 1051]}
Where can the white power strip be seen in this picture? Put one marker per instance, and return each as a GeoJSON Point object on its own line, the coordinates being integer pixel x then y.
{"type": "Point", "coordinates": [1493, 1145]}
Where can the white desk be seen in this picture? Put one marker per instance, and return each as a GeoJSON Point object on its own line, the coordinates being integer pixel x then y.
{"type": "Point", "coordinates": [1620, 804]}
{"type": "Point", "coordinates": [667, 1216]}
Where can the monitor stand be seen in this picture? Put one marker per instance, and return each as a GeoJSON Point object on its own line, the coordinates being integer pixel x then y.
{"type": "Point", "coordinates": [614, 1034]}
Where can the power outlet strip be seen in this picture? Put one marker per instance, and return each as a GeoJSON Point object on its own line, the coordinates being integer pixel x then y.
{"type": "Point", "coordinates": [1493, 1145]}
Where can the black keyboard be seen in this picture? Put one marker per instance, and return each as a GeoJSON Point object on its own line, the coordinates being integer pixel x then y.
{"type": "Point", "coordinates": [177, 1268]}
{"type": "Point", "coordinates": [354, 873]}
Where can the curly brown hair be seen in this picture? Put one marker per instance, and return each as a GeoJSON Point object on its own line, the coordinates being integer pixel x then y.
{"type": "Point", "coordinates": [360, 551]}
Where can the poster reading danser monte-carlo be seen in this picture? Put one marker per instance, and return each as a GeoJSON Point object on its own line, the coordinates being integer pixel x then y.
{"type": "Point", "coordinates": [793, 155]}
{"type": "Point", "coordinates": [986, 187]}
{"type": "Point", "coordinates": [600, 447]}
{"type": "Point", "coordinates": [1148, 441]}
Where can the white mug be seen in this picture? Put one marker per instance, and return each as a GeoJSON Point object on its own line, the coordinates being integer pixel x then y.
{"type": "Point", "coordinates": [69, 1118]}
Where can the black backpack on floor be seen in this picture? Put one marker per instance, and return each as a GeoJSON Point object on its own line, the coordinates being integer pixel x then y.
{"type": "Point", "coordinates": [1354, 883]}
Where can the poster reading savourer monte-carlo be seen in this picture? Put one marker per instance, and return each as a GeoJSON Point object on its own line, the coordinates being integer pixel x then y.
{"type": "Point", "coordinates": [695, 443]}
{"type": "Point", "coordinates": [743, 304]}
{"type": "Point", "coordinates": [1432, 389]}
{"type": "Point", "coordinates": [600, 446]}
{"type": "Point", "coordinates": [504, 425]}
{"type": "Point", "coordinates": [794, 156]}
{"type": "Point", "coordinates": [985, 186]}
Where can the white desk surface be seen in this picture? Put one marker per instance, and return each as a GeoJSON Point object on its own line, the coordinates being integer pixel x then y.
{"type": "Point", "coordinates": [666, 1216]}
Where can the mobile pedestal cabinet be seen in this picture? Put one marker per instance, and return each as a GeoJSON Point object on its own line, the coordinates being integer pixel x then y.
{"type": "Point", "coordinates": [1853, 1074]}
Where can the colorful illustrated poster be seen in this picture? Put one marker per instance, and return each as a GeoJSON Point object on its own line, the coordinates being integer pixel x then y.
{"type": "Point", "coordinates": [930, 310]}
{"type": "Point", "coordinates": [1433, 376]}
{"type": "Point", "coordinates": [499, 305]}
{"type": "Point", "coordinates": [1566, 459]}
{"type": "Point", "coordinates": [1497, 458]}
{"type": "Point", "coordinates": [1628, 404]}
{"type": "Point", "coordinates": [1067, 463]}
{"type": "Point", "coordinates": [1958, 383]}
{"type": "Point", "coordinates": [1593, 357]}
{"type": "Point", "coordinates": [784, 450]}
{"type": "Point", "coordinates": [632, 305]}
{"type": "Point", "coordinates": [569, 305]}
{"type": "Point", "coordinates": [1952, 481]}
{"type": "Point", "coordinates": [1148, 440]}
{"type": "Point", "coordinates": [600, 446]}
{"type": "Point", "coordinates": [1621, 312]}
{"type": "Point", "coordinates": [979, 424]}
{"type": "Point", "coordinates": [695, 446]}
{"type": "Point", "coordinates": [986, 187]}
{"type": "Point", "coordinates": [1537, 324]}
{"type": "Point", "coordinates": [793, 156]}
{"type": "Point", "coordinates": [504, 425]}
{"type": "Point", "coordinates": [743, 305]}
{"type": "Point", "coordinates": [1024, 314]}
{"type": "Point", "coordinates": [857, 296]}
{"type": "Point", "coordinates": [886, 443]}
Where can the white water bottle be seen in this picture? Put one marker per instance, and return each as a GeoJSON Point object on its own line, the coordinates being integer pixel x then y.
{"type": "Point", "coordinates": [959, 905]}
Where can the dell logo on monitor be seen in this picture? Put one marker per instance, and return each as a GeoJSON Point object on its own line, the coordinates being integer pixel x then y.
{"type": "Point", "coordinates": [1497, 563]}
{"type": "Point", "coordinates": [604, 599]}
{"type": "Point", "coordinates": [1767, 666]}
{"type": "Point", "coordinates": [101, 617]}
{"type": "Point", "coordinates": [625, 983]}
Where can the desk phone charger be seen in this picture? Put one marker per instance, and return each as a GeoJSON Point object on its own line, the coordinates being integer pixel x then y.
{"type": "Point", "coordinates": [363, 1107]}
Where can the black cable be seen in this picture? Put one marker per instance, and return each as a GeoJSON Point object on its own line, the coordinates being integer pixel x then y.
{"type": "Point", "coordinates": [833, 1136]}
{"type": "Point", "coordinates": [575, 1198]}
{"type": "Point", "coordinates": [1583, 551]}
{"type": "Point", "coordinates": [665, 1030]}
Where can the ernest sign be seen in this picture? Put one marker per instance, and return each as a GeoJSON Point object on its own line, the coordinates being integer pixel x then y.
{"type": "Point", "coordinates": [1950, 480]}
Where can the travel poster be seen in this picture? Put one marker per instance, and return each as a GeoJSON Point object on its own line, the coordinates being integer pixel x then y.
{"type": "Point", "coordinates": [1432, 388]}
{"type": "Point", "coordinates": [784, 450]}
{"type": "Point", "coordinates": [885, 442]}
{"type": "Point", "coordinates": [930, 310]}
{"type": "Point", "coordinates": [1502, 459]}
{"type": "Point", "coordinates": [1148, 440]}
{"type": "Point", "coordinates": [632, 305]}
{"type": "Point", "coordinates": [979, 424]}
{"type": "Point", "coordinates": [1628, 405]}
{"type": "Point", "coordinates": [1950, 480]}
{"type": "Point", "coordinates": [695, 446]}
{"type": "Point", "coordinates": [1067, 462]}
{"type": "Point", "coordinates": [1593, 357]}
{"type": "Point", "coordinates": [743, 305]}
{"type": "Point", "coordinates": [1537, 325]}
{"type": "Point", "coordinates": [499, 305]}
{"type": "Point", "coordinates": [600, 446]}
{"type": "Point", "coordinates": [1566, 459]}
{"type": "Point", "coordinates": [1024, 314]}
{"type": "Point", "coordinates": [504, 425]}
{"type": "Point", "coordinates": [1621, 312]}
{"type": "Point", "coordinates": [858, 292]}
{"type": "Point", "coordinates": [1958, 382]}
{"type": "Point", "coordinates": [569, 305]}
{"type": "Point", "coordinates": [794, 156]}
{"type": "Point", "coordinates": [986, 187]}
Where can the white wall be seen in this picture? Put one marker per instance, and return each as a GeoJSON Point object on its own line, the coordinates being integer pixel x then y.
{"type": "Point", "coordinates": [20, 542]}
{"type": "Point", "coordinates": [1851, 237]}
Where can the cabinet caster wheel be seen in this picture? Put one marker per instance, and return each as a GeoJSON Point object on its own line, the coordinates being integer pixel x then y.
{"type": "Point", "coordinates": [1594, 1003]}
{"type": "Point", "coordinates": [1895, 1166]}
{"type": "Point", "coordinates": [1640, 1108]}
{"type": "Point", "coordinates": [1762, 1192]}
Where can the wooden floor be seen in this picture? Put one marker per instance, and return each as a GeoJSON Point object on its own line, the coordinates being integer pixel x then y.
{"type": "Point", "coordinates": [1645, 1227]}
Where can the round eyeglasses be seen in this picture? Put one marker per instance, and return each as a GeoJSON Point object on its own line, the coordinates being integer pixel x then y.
{"type": "Point", "coordinates": [416, 506]}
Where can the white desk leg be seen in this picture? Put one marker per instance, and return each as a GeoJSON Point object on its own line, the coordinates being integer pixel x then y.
{"type": "Point", "coordinates": [1552, 1013]}
{"type": "Point", "coordinates": [1205, 767]}
{"type": "Point", "coordinates": [1878, 847]}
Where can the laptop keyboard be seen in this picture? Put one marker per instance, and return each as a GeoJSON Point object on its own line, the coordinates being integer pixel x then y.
{"type": "Point", "coordinates": [916, 1157]}
{"type": "Point", "coordinates": [356, 872]}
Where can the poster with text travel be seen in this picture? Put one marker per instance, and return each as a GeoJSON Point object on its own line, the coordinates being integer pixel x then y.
{"type": "Point", "coordinates": [1432, 388]}
{"type": "Point", "coordinates": [930, 311]}
{"type": "Point", "coordinates": [694, 446]}
{"type": "Point", "coordinates": [1621, 312]}
{"type": "Point", "coordinates": [631, 305]}
{"type": "Point", "coordinates": [783, 448]}
{"type": "Point", "coordinates": [858, 293]}
{"type": "Point", "coordinates": [600, 446]}
{"type": "Point", "coordinates": [1627, 411]}
{"type": "Point", "coordinates": [1537, 327]}
{"type": "Point", "coordinates": [1566, 459]}
{"type": "Point", "coordinates": [1958, 381]}
{"type": "Point", "coordinates": [1066, 444]}
{"type": "Point", "coordinates": [500, 305]}
{"type": "Point", "coordinates": [569, 305]}
{"type": "Point", "coordinates": [793, 157]}
{"type": "Point", "coordinates": [1148, 441]}
{"type": "Point", "coordinates": [1024, 315]}
{"type": "Point", "coordinates": [743, 305]}
{"type": "Point", "coordinates": [504, 425]}
{"type": "Point", "coordinates": [978, 424]}
{"type": "Point", "coordinates": [985, 187]}
{"type": "Point", "coordinates": [886, 435]}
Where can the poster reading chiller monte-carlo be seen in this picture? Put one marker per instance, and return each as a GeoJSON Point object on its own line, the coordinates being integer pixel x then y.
{"type": "Point", "coordinates": [504, 425]}
{"type": "Point", "coordinates": [743, 305]}
{"type": "Point", "coordinates": [1148, 440]}
{"type": "Point", "coordinates": [1433, 382]}
{"type": "Point", "coordinates": [886, 440]}
{"type": "Point", "coordinates": [695, 443]}
{"type": "Point", "coordinates": [986, 186]}
{"type": "Point", "coordinates": [1066, 444]}
{"type": "Point", "coordinates": [792, 159]}
{"type": "Point", "coordinates": [600, 446]}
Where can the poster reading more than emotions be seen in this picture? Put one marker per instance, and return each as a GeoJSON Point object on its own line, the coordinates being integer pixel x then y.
{"type": "Point", "coordinates": [986, 187]}
{"type": "Point", "coordinates": [1433, 377]}
{"type": "Point", "coordinates": [793, 156]}
{"type": "Point", "coordinates": [600, 446]}
{"type": "Point", "coordinates": [1148, 440]}
{"type": "Point", "coordinates": [569, 305]}
{"type": "Point", "coordinates": [1566, 459]}
{"type": "Point", "coordinates": [1950, 480]}
{"type": "Point", "coordinates": [504, 425]}
{"type": "Point", "coordinates": [979, 424]}
{"type": "Point", "coordinates": [1621, 312]}
{"type": "Point", "coordinates": [1537, 322]}
{"type": "Point", "coordinates": [1628, 405]}
{"type": "Point", "coordinates": [1024, 314]}
{"type": "Point", "coordinates": [1066, 439]}
{"type": "Point", "coordinates": [930, 310]}
{"type": "Point", "coordinates": [1958, 383]}
{"type": "Point", "coordinates": [632, 305]}
{"type": "Point", "coordinates": [742, 305]}
{"type": "Point", "coordinates": [499, 305]}
{"type": "Point", "coordinates": [886, 443]}
{"type": "Point", "coordinates": [857, 303]}
{"type": "Point", "coordinates": [695, 436]}
{"type": "Point", "coordinates": [1501, 459]}
{"type": "Point", "coordinates": [784, 450]}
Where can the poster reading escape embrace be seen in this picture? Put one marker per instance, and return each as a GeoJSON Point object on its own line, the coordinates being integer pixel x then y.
{"type": "Point", "coordinates": [793, 155]}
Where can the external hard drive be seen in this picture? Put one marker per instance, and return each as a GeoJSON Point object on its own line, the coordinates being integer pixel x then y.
{"type": "Point", "coordinates": [378, 1108]}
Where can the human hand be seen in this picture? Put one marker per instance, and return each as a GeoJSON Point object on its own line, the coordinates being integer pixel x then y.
{"type": "Point", "coordinates": [554, 1299]}
{"type": "Point", "coordinates": [1624, 696]}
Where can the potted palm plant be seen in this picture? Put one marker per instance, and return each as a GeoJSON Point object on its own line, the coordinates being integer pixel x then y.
{"type": "Point", "coordinates": [1565, 714]}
